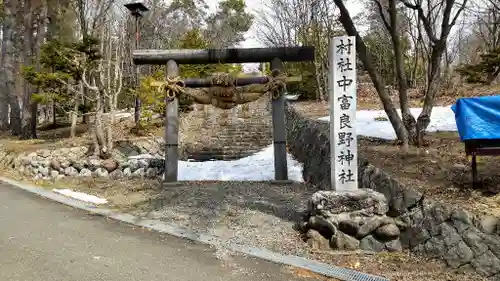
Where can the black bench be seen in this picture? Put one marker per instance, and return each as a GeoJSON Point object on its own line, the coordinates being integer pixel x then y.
{"type": "Point", "coordinates": [480, 147]}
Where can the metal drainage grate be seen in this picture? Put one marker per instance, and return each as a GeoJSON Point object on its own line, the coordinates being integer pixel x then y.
{"type": "Point", "coordinates": [345, 274]}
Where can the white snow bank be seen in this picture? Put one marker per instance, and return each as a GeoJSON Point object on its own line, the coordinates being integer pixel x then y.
{"type": "Point", "coordinates": [442, 119]}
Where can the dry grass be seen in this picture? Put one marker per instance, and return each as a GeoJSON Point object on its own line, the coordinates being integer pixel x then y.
{"type": "Point", "coordinates": [441, 171]}
{"type": "Point", "coordinates": [403, 266]}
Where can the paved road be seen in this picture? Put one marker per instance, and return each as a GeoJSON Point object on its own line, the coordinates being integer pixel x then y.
{"type": "Point", "coordinates": [46, 241]}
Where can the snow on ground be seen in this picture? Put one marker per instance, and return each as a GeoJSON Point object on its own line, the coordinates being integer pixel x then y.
{"type": "Point", "coordinates": [442, 119]}
{"type": "Point", "coordinates": [260, 166]}
{"type": "Point", "coordinates": [81, 196]}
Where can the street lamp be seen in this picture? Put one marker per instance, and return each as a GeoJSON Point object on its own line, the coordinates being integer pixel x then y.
{"type": "Point", "coordinates": [136, 9]}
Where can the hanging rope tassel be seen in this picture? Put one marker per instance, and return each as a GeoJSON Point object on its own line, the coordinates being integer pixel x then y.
{"type": "Point", "coordinates": [173, 87]}
{"type": "Point", "coordinates": [276, 84]}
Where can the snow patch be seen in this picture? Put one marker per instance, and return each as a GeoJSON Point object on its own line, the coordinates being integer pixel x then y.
{"type": "Point", "coordinates": [81, 196]}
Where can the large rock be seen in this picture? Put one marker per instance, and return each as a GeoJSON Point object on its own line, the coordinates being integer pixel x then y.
{"type": "Point", "coordinates": [110, 165]}
{"type": "Point", "coordinates": [323, 226]}
{"type": "Point", "coordinates": [70, 172]}
{"type": "Point", "coordinates": [370, 243]}
{"type": "Point", "coordinates": [44, 171]}
{"type": "Point", "coordinates": [101, 173]}
{"type": "Point", "coordinates": [54, 174]}
{"type": "Point", "coordinates": [363, 201]}
{"type": "Point", "coordinates": [127, 172]}
{"type": "Point", "coordinates": [93, 164]}
{"type": "Point", "coordinates": [316, 241]}
{"type": "Point", "coordinates": [44, 153]}
{"type": "Point", "coordinates": [116, 174]}
{"type": "Point", "coordinates": [372, 224]}
{"type": "Point", "coordinates": [79, 164]}
{"type": "Point", "coordinates": [459, 255]}
{"type": "Point", "coordinates": [157, 163]}
{"type": "Point", "coordinates": [486, 264]}
{"type": "Point", "coordinates": [394, 246]}
{"type": "Point", "coordinates": [26, 160]}
{"type": "Point", "coordinates": [387, 232]}
{"type": "Point", "coordinates": [144, 163]}
{"type": "Point", "coordinates": [55, 165]}
{"type": "Point", "coordinates": [342, 241]}
{"type": "Point", "coordinates": [488, 224]}
{"type": "Point", "coordinates": [349, 227]}
{"type": "Point", "coordinates": [85, 173]}
{"type": "Point", "coordinates": [133, 164]}
{"type": "Point", "coordinates": [151, 172]}
{"type": "Point", "coordinates": [64, 164]}
{"type": "Point", "coordinates": [139, 173]}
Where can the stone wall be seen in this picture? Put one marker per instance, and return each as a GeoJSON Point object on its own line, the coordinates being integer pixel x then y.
{"type": "Point", "coordinates": [140, 158]}
{"type": "Point", "coordinates": [211, 133]}
{"type": "Point", "coordinates": [459, 238]}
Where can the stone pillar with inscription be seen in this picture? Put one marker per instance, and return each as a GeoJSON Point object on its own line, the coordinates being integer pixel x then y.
{"type": "Point", "coordinates": [342, 98]}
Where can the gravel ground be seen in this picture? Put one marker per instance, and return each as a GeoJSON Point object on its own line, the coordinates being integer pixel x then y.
{"type": "Point", "coordinates": [252, 213]}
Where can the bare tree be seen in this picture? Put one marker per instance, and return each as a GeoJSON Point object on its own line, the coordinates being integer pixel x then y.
{"type": "Point", "coordinates": [91, 14]}
{"type": "Point", "coordinates": [378, 82]}
{"type": "Point", "coordinates": [302, 22]}
{"type": "Point", "coordinates": [394, 28]}
{"type": "Point", "coordinates": [106, 85]}
{"type": "Point", "coordinates": [437, 33]}
{"type": "Point", "coordinates": [486, 23]}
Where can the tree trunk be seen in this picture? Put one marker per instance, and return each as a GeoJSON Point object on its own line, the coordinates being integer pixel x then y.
{"type": "Point", "coordinates": [9, 62]}
{"type": "Point", "coordinates": [493, 76]}
{"type": "Point", "coordinates": [74, 114]}
{"type": "Point", "coordinates": [32, 10]}
{"type": "Point", "coordinates": [111, 122]}
{"type": "Point", "coordinates": [99, 132]}
{"type": "Point", "coordinates": [54, 115]}
{"type": "Point", "coordinates": [377, 80]}
{"type": "Point", "coordinates": [52, 32]}
{"type": "Point", "coordinates": [408, 119]}
{"type": "Point", "coordinates": [41, 33]}
{"type": "Point", "coordinates": [85, 34]}
{"type": "Point", "coordinates": [86, 103]}
{"type": "Point", "coordinates": [8, 25]}
{"type": "Point", "coordinates": [433, 85]}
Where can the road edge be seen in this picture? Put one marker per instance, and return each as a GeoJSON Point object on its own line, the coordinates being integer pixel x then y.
{"type": "Point", "coordinates": [343, 274]}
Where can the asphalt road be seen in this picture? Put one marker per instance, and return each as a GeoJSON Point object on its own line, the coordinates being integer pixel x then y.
{"type": "Point", "coordinates": [45, 241]}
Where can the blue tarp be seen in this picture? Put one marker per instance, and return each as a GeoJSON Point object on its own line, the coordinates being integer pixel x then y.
{"type": "Point", "coordinates": [478, 117]}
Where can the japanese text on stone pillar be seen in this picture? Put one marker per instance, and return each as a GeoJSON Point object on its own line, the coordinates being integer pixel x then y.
{"type": "Point", "coordinates": [343, 113]}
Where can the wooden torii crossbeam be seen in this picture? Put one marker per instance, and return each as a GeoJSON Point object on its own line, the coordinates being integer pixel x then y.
{"type": "Point", "coordinates": [241, 81]}
{"type": "Point", "coordinates": [235, 55]}
{"type": "Point", "coordinates": [172, 58]}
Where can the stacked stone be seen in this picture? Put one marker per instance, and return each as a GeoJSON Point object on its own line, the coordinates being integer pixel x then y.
{"type": "Point", "coordinates": [72, 162]}
{"type": "Point", "coordinates": [352, 221]}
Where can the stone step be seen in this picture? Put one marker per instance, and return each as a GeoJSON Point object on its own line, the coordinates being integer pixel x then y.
{"type": "Point", "coordinates": [207, 155]}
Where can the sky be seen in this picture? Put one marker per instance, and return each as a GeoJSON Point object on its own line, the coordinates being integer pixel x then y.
{"type": "Point", "coordinates": [255, 6]}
